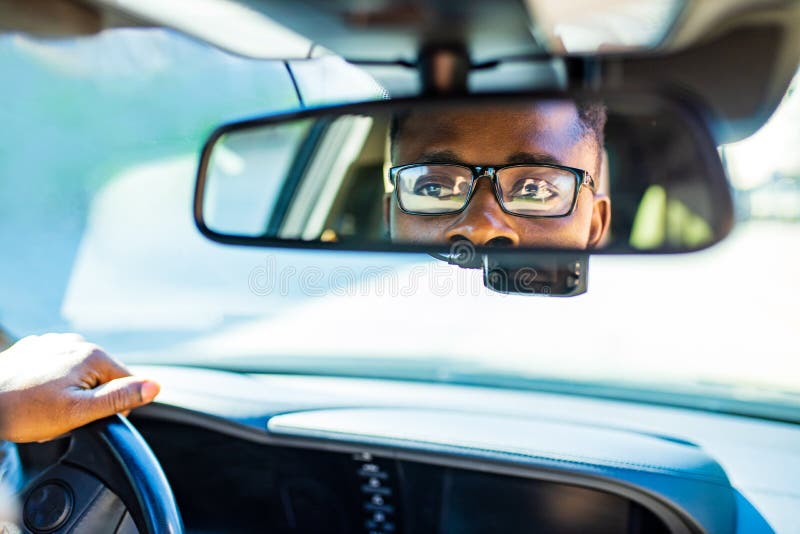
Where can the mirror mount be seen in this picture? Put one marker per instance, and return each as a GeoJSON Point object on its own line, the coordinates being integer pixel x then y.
{"type": "Point", "coordinates": [548, 275]}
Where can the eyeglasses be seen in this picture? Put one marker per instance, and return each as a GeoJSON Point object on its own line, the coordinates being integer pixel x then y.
{"type": "Point", "coordinates": [526, 190]}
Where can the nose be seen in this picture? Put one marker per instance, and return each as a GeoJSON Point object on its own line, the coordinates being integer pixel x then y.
{"type": "Point", "coordinates": [483, 222]}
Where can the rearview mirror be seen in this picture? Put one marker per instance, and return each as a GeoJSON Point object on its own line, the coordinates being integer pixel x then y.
{"type": "Point", "coordinates": [634, 173]}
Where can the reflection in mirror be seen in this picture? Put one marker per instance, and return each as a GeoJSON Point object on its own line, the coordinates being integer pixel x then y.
{"type": "Point", "coordinates": [535, 174]}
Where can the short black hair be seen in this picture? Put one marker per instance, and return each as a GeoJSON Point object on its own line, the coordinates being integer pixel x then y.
{"type": "Point", "coordinates": [593, 116]}
{"type": "Point", "coordinates": [591, 113]}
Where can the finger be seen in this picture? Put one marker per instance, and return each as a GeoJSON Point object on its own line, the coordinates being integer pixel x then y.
{"type": "Point", "coordinates": [113, 397]}
{"type": "Point", "coordinates": [102, 364]}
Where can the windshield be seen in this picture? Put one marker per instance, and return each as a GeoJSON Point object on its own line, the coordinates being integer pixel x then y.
{"type": "Point", "coordinates": [98, 154]}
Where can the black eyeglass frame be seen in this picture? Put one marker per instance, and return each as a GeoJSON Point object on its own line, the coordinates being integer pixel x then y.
{"type": "Point", "coordinates": [582, 178]}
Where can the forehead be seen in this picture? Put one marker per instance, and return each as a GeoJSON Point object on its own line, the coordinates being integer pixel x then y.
{"type": "Point", "coordinates": [492, 134]}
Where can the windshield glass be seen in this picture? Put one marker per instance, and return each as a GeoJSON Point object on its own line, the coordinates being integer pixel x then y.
{"type": "Point", "coordinates": [98, 155]}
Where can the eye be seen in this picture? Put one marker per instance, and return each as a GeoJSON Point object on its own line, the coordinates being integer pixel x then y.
{"type": "Point", "coordinates": [534, 190]}
{"type": "Point", "coordinates": [434, 186]}
{"type": "Point", "coordinates": [429, 190]}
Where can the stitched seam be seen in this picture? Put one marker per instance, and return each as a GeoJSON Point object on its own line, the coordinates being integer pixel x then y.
{"type": "Point", "coordinates": [542, 455]}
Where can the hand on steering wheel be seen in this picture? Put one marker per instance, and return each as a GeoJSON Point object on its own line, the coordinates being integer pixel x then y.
{"type": "Point", "coordinates": [53, 383]}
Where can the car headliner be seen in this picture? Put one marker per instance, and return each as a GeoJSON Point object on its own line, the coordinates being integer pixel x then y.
{"type": "Point", "coordinates": [749, 44]}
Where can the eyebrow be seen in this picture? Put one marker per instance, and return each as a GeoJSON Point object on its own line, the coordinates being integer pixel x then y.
{"type": "Point", "coordinates": [439, 156]}
{"type": "Point", "coordinates": [449, 156]}
{"type": "Point", "coordinates": [530, 157]}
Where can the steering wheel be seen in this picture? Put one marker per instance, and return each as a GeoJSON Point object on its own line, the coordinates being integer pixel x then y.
{"type": "Point", "coordinates": [108, 481]}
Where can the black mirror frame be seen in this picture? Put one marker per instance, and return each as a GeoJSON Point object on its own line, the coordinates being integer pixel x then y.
{"type": "Point", "coordinates": [691, 111]}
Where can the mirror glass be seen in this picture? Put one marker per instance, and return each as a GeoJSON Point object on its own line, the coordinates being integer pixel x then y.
{"type": "Point", "coordinates": [624, 175]}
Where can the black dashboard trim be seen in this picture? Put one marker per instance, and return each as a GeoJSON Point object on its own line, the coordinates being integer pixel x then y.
{"type": "Point", "coordinates": [542, 455]}
{"type": "Point", "coordinates": [254, 430]}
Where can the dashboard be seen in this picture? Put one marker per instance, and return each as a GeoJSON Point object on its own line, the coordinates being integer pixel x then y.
{"type": "Point", "coordinates": [283, 453]}
{"type": "Point", "coordinates": [301, 489]}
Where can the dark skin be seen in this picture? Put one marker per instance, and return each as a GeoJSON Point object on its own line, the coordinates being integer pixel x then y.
{"type": "Point", "coordinates": [54, 383]}
{"type": "Point", "coordinates": [542, 133]}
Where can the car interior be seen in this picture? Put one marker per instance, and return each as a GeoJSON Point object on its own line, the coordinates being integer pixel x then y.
{"type": "Point", "coordinates": [228, 448]}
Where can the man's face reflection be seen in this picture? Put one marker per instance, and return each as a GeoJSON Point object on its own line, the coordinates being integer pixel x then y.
{"type": "Point", "coordinates": [549, 133]}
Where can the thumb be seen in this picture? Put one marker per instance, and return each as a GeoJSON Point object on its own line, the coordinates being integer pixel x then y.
{"type": "Point", "coordinates": [117, 396]}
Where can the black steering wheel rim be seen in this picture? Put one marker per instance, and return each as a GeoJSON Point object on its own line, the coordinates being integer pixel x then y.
{"type": "Point", "coordinates": [113, 454]}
